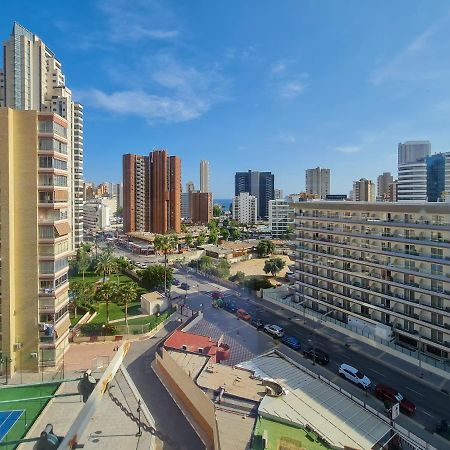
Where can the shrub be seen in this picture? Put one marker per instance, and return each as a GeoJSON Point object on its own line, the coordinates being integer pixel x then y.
{"type": "Point", "coordinates": [98, 329]}
{"type": "Point", "coordinates": [257, 283]}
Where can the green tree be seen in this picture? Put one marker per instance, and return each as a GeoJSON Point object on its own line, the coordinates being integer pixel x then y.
{"type": "Point", "coordinates": [106, 292]}
{"type": "Point", "coordinates": [238, 277]}
{"type": "Point", "coordinates": [217, 210]}
{"type": "Point", "coordinates": [165, 243]}
{"type": "Point", "coordinates": [184, 228]}
{"type": "Point", "coordinates": [205, 263]}
{"type": "Point", "coordinates": [213, 236]}
{"type": "Point", "coordinates": [265, 248]}
{"type": "Point", "coordinates": [105, 265]}
{"type": "Point", "coordinates": [201, 239]}
{"type": "Point", "coordinates": [82, 293]}
{"type": "Point", "coordinates": [156, 276]}
{"type": "Point", "coordinates": [224, 233]}
{"type": "Point", "coordinates": [189, 239]}
{"type": "Point", "coordinates": [119, 211]}
{"type": "Point", "coordinates": [274, 266]}
{"type": "Point", "coordinates": [235, 234]}
{"type": "Point", "coordinates": [127, 294]}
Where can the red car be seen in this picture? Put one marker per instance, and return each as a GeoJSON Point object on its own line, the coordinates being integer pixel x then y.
{"type": "Point", "coordinates": [243, 314]}
{"type": "Point", "coordinates": [390, 395]}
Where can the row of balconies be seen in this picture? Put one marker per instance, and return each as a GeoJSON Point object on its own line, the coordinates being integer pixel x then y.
{"type": "Point", "coordinates": [398, 220]}
{"type": "Point", "coordinates": [355, 297]}
{"type": "Point", "coordinates": [393, 237]}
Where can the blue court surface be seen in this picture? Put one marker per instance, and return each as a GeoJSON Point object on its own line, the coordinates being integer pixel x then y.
{"type": "Point", "coordinates": [7, 421]}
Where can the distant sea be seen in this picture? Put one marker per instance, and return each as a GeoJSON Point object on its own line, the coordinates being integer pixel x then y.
{"type": "Point", "coordinates": [224, 202]}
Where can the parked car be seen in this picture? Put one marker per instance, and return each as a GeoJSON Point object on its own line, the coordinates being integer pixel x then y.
{"type": "Point", "coordinates": [257, 323]}
{"type": "Point", "coordinates": [291, 342]}
{"type": "Point", "coordinates": [391, 396]}
{"type": "Point", "coordinates": [175, 282]}
{"type": "Point", "coordinates": [185, 286]}
{"type": "Point", "coordinates": [318, 355]}
{"type": "Point", "coordinates": [230, 306]}
{"type": "Point", "coordinates": [354, 375]}
{"type": "Point", "coordinates": [243, 314]}
{"type": "Point", "coordinates": [274, 330]}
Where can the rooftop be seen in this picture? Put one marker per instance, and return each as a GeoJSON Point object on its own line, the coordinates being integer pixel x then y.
{"type": "Point", "coordinates": [310, 402]}
{"type": "Point", "coordinates": [153, 296]}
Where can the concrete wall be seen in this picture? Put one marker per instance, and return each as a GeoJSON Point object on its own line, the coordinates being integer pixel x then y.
{"type": "Point", "coordinates": [193, 399]}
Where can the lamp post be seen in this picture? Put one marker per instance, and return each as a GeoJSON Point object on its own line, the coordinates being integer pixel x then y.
{"type": "Point", "coordinates": [419, 356]}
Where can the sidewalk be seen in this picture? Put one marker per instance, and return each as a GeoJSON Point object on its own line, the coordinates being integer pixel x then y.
{"type": "Point", "coordinates": [376, 353]}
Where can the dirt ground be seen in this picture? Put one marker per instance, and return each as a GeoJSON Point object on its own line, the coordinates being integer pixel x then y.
{"type": "Point", "coordinates": [255, 266]}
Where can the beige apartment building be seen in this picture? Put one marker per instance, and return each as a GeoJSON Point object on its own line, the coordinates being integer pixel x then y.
{"type": "Point", "coordinates": [382, 269]}
{"type": "Point", "coordinates": [35, 238]}
{"type": "Point", "coordinates": [41, 180]}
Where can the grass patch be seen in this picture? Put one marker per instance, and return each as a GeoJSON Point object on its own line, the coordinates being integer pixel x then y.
{"type": "Point", "coordinates": [152, 321]}
{"type": "Point", "coordinates": [32, 407]}
{"type": "Point", "coordinates": [115, 311]}
{"type": "Point", "coordinates": [279, 433]}
{"type": "Point", "coordinates": [75, 319]}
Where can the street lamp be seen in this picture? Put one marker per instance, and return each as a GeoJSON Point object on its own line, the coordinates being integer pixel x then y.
{"type": "Point", "coordinates": [419, 353]}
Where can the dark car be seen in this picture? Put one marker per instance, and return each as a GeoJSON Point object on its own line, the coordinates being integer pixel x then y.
{"type": "Point", "coordinates": [391, 396]}
{"type": "Point", "coordinates": [257, 323]}
{"type": "Point", "coordinates": [230, 306]}
{"type": "Point", "coordinates": [185, 286]}
{"type": "Point", "coordinates": [291, 342]}
{"type": "Point", "coordinates": [317, 355]}
{"type": "Point", "coordinates": [175, 282]}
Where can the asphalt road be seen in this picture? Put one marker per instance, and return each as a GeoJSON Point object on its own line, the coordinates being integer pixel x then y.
{"type": "Point", "coordinates": [168, 418]}
{"type": "Point", "coordinates": [432, 404]}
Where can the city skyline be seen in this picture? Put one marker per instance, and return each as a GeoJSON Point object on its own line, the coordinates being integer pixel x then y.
{"type": "Point", "coordinates": [260, 89]}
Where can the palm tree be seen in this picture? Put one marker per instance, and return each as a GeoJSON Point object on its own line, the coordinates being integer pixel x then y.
{"type": "Point", "coordinates": [105, 265]}
{"type": "Point", "coordinates": [127, 294]}
{"type": "Point", "coordinates": [189, 239]}
{"type": "Point", "coordinates": [105, 293]}
{"type": "Point", "coordinates": [165, 243]}
{"type": "Point", "coordinates": [82, 260]}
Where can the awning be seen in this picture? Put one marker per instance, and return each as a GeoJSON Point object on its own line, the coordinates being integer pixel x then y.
{"type": "Point", "coordinates": [62, 228]}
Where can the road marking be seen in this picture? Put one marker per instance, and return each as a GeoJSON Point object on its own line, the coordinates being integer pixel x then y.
{"type": "Point", "coordinates": [412, 390]}
{"type": "Point", "coordinates": [378, 373]}
{"type": "Point", "coordinates": [428, 414]}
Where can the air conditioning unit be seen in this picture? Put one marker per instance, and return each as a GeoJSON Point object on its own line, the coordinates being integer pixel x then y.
{"type": "Point", "coordinates": [34, 355]}
{"type": "Point", "coordinates": [17, 345]}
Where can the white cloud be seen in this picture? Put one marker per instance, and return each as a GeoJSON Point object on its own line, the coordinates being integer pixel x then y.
{"type": "Point", "coordinates": [148, 106]}
{"type": "Point", "coordinates": [424, 59]}
{"type": "Point", "coordinates": [291, 89]}
{"type": "Point", "coordinates": [286, 138]}
{"type": "Point", "coordinates": [167, 90]}
{"type": "Point", "coordinates": [278, 68]}
{"type": "Point", "coordinates": [348, 149]}
{"type": "Point", "coordinates": [136, 20]}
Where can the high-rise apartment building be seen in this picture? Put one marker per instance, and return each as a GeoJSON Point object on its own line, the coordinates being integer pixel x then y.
{"type": "Point", "coordinates": [41, 184]}
{"type": "Point", "coordinates": [152, 193]}
{"type": "Point", "coordinates": [278, 194]}
{"type": "Point", "coordinates": [318, 181]}
{"type": "Point", "coordinates": [258, 184]}
{"type": "Point", "coordinates": [383, 182]}
{"type": "Point", "coordinates": [438, 177]}
{"type": "Point", "coordinates": [204, 176]}
{"type": "Point", "coordinates": [201, 207]}
{"type": "Point", "coordinates": [190, 186]}
{"type": "Point", "coordinates": [281, 217]}
{"type": "Point", "coordinates": [392, 192]}
{"type": "Point", "coordinates": [245, 208]}
{"type": "Point", "coordinates": [378, 268]}
{"type": "Point", "coordinates": [364, 190]}
{"type": "Point", "coordinates": [33, 80]}
{"type": "Point", "coordinates": [136, 193]}
{"type": "Point", "coordinates": [412, 170]}
{"type": "Point", "coordinates": [35, 237]}
{"type": "Point", "coordinates": [185, 205]}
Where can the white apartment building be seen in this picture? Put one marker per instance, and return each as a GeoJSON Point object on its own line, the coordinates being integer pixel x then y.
{"type": "Point", "coordinates": [318, 182]}
{"type": "Point", "coordinates": [363, 190]}
{"type": "Point", "coordinates": [378, 268]}
{"type": "Point", "coordinates": [97, 214]}
{"type": "Point", "coordinates": [245, 208]}
{"type": "Point", "coordinates": [111, 203]}
{"type": "Point", "coordinates": [412, 170]}
{"type": "Point", "coordinates": [278, 194]}
{"type": "Point", "coordinates": [281, 217]}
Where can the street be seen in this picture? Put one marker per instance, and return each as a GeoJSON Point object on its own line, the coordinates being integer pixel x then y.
{"type": "Point", "coordinates": [432, 403]}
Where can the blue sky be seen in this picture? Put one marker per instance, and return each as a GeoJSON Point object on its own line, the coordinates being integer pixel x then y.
{"type": "Point", "coordinates": [256, 84]}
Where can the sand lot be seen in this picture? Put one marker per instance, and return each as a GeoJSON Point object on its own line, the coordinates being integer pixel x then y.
{"type": "Point", "coordinates": [255, 266]}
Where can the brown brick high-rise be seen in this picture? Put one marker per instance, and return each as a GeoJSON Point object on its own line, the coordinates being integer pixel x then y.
{"type": "Point", "coordinates": [201, 207]}
{"type": "Point", "coordinates": [151, 193]}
